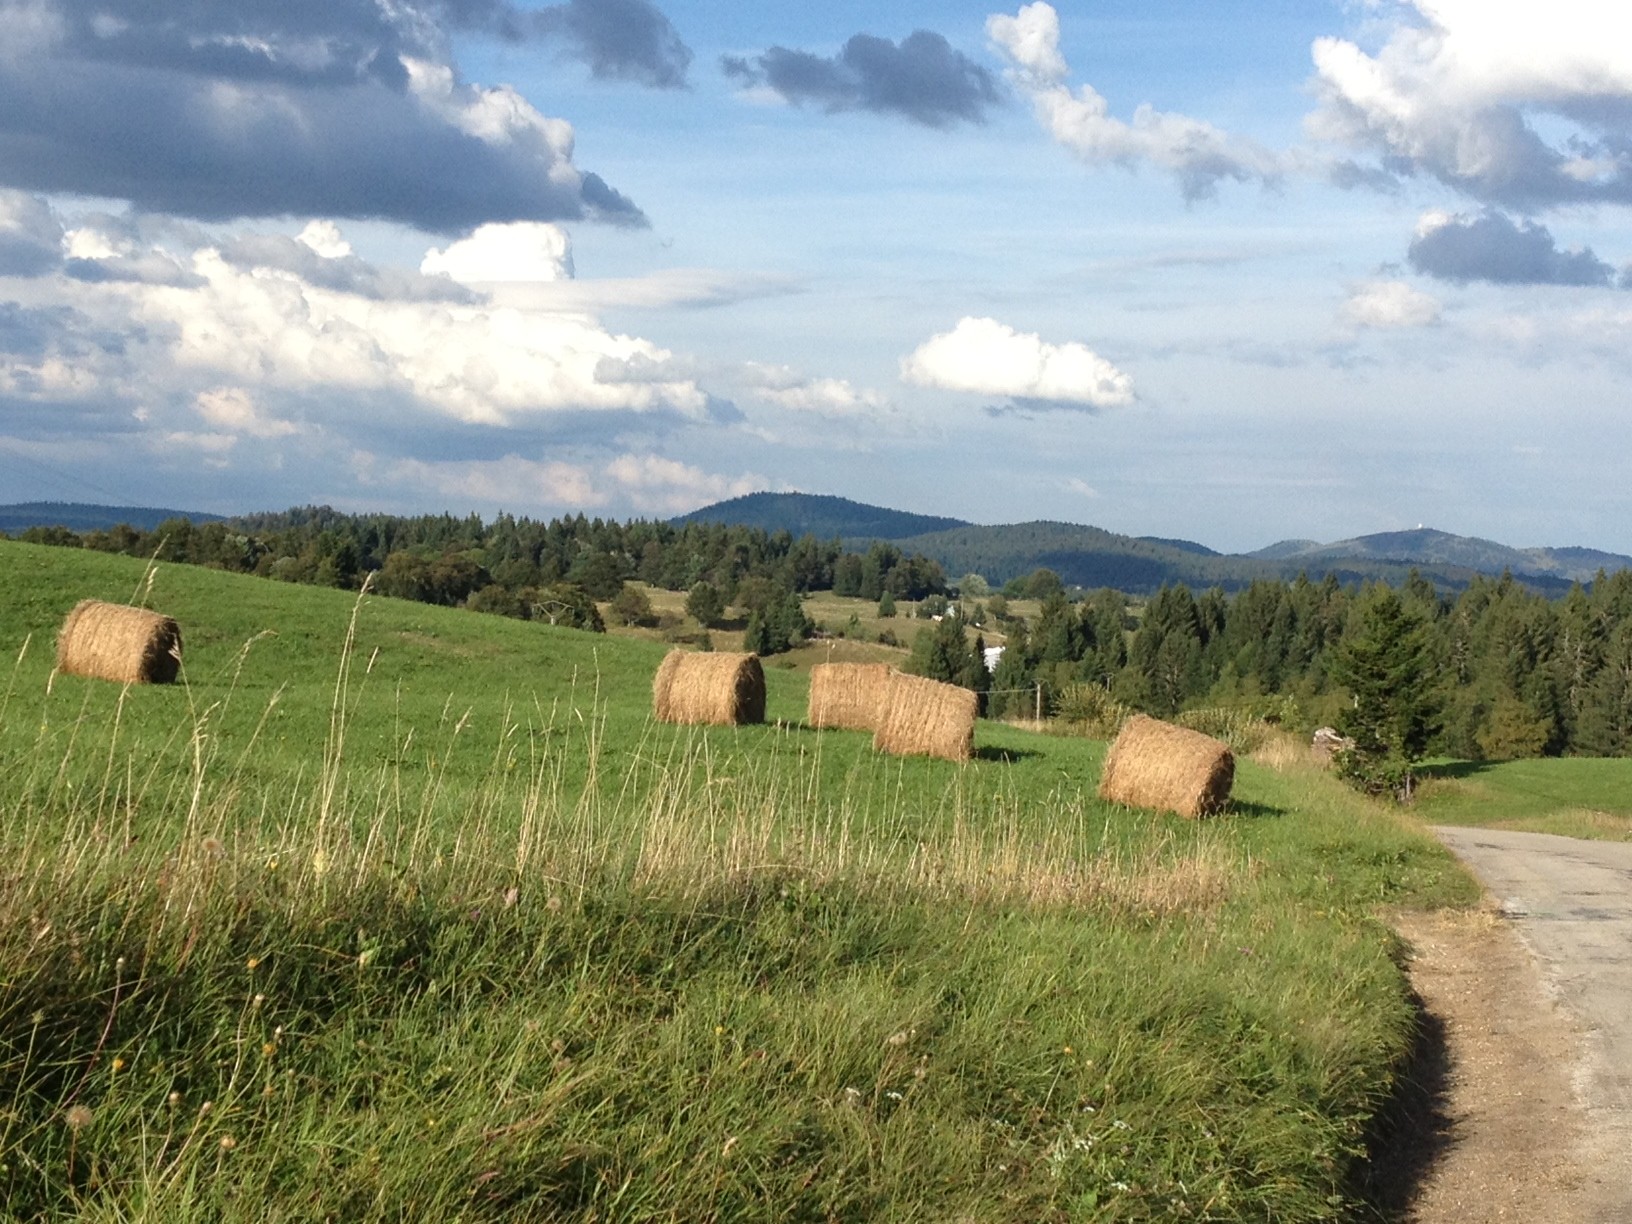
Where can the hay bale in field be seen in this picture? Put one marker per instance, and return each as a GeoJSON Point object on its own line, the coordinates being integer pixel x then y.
{"type": "Point", "coordinates": [1153, 764]}
{"type": "Point", "coordinates": [721, 689]}
{"type": "Point", "coordinates": [849, 696]}
{"type": "Point", "coordinates": [927, 718]}
{"type": "Point", "coordinates": [114, 642]}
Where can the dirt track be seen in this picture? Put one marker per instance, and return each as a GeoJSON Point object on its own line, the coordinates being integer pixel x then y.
{"type": "Point", "coordinates": [1527, 1113]}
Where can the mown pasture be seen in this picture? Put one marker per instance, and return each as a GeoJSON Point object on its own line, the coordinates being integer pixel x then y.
{"type": "Point", "coordinates": [391, 911]}
{"type": "Point", "coordinates": [1587, 797]}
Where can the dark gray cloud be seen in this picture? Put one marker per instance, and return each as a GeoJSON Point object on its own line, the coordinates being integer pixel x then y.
{"type": "Point", "coordinates": [32, 332]}
{"type": "Point", "coordinates": [923, 79]}
{"type": "Point", "coordinates": [30, 236]}
{"type": "Point", "coordinates": [623, 40]}
{"type": "Point", "coordinates": [1492, 247]}
{"type": "Point", "coordinates": [341, 274]}
{"type": "Point", "coordinates": [218, 109]}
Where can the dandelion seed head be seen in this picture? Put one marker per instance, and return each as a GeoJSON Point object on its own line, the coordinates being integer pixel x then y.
{"type": "Point", "coordinates": [212, 846]}
{"type": "Point", "coordinates": [173, 1099]}
{"type": "Point", "coordinates": [898, 1039]}
{"type": "Point", "coordinates": [78, 1117]}
{"type": "Point", "coordinates": [204, 1109]}
{"type": "Point", "coordinates": [228, 1143]}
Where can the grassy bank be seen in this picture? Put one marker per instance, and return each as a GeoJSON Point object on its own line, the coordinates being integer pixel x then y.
{"type": "Point", "coordinates": [1587, 797]}
{"type": "Point", "coordinates": [411, 913]}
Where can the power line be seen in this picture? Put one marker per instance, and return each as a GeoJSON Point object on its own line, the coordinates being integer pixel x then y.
{"type": "Point", "coordinates": [47, 469]}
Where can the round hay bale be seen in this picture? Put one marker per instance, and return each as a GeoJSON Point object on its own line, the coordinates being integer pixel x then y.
{"type": "Point", "coordinates": [718, 689]}
{"type": "Point", "coordinates": [114, 642]}
{"type": "Point", "coordinates": [1153, 764]}
{"type": "Point", "coordinates": [927, 718]}
{"type": "Point", "coordinates": [848, 696]}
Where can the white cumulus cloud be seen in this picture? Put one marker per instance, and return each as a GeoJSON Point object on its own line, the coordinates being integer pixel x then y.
{"type": "Point", "coordinates": [992, 358]}
{"type": "Point", "coordinates": [1389, 304]}
{"type": "Point", "coordinates": [648, 484]}
{"type": "Point", "coordinates": [259, 327]}
{"type": "Point", "coordinates": [667, 486]}
{"type": "Point", "coordinates": [1522, 105]}
{"type": "Point", "coordinates": [517, 251]}
{"type": "Point", "coordinates": [1197, 153]}
{"type": "Point", "coordinates": [785, 387]}
{"type": "Point", "coordinates": [234, 412]}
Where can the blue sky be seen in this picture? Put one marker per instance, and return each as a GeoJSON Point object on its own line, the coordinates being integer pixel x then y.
{"type": "Point", "coordinates": [1233, 272]}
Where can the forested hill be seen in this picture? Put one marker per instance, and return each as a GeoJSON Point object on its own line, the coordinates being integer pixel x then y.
{"type": "Point", "coordinates": [1091, 557]}
{"type": "Point", "coordinates": [820, 515]}
{"type": "Point", "coordinates": [82, 516]}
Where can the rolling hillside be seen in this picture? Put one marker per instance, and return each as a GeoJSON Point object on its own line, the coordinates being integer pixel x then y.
{"type": "Point", "coordinates": [393, 911]}
{"type": "Point", "coordinates": [83, 516]}
{"type": "Point", "coordinates": [1093, 557]}
{"type": "Point", "coordinates": [819, 515]}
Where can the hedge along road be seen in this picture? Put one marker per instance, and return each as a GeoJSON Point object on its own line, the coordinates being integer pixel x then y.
{"type": "Point", "coordinates": [1571, 903]}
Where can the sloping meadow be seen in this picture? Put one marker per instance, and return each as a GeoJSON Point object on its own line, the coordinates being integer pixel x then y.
{"type": "Point", "coordinates": [392, 912]}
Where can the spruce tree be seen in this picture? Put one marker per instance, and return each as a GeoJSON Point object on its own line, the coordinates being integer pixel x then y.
{"type": "Point", "coordinates": [1386, 663]}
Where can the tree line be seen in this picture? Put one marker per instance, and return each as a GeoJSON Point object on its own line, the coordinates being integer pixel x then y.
{"type": "Point", "coordinates": [1502, 671]}
{"type": "Point", "coordinates": [1494, 671]}
{"type": "Point", "coordinates": [553, 570]}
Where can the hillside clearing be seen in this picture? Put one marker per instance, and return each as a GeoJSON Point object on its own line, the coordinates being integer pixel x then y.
{"type": "Point", "coordinates": [394, 911]}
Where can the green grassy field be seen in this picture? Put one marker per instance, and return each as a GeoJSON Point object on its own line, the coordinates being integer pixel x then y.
{"type": "Point", "coordinates": [396, 912]}
{"type": "Point", "coordinates": [1577, 797]}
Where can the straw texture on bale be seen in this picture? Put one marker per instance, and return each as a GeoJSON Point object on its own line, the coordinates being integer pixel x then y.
{"type": "Point", "coordinates": [1153, 764]}
{"type": "Point", "coordinates": [721, 689]}
{"type": "Point", "coordinates": [849, 696]}
{"type": "Point", "coordinates": [114, 642]}
{"type": "Point", "coordinates": [927, 718]}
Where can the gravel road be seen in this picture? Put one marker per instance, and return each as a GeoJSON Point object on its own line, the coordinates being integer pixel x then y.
{"type": "Point", "coordinates": [1570, 902]}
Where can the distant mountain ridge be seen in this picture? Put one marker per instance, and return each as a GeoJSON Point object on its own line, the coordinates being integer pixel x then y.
{"type": "Point", "coordinates": [1093, 557]}
{"type": "Point", "coordinates": [1426, 546]}
{"type": "Point", "coordinates": [86, 516]}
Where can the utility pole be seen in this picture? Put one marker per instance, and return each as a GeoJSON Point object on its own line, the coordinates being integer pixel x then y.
{"type": "Point", "coordinates": [1039, 701]}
